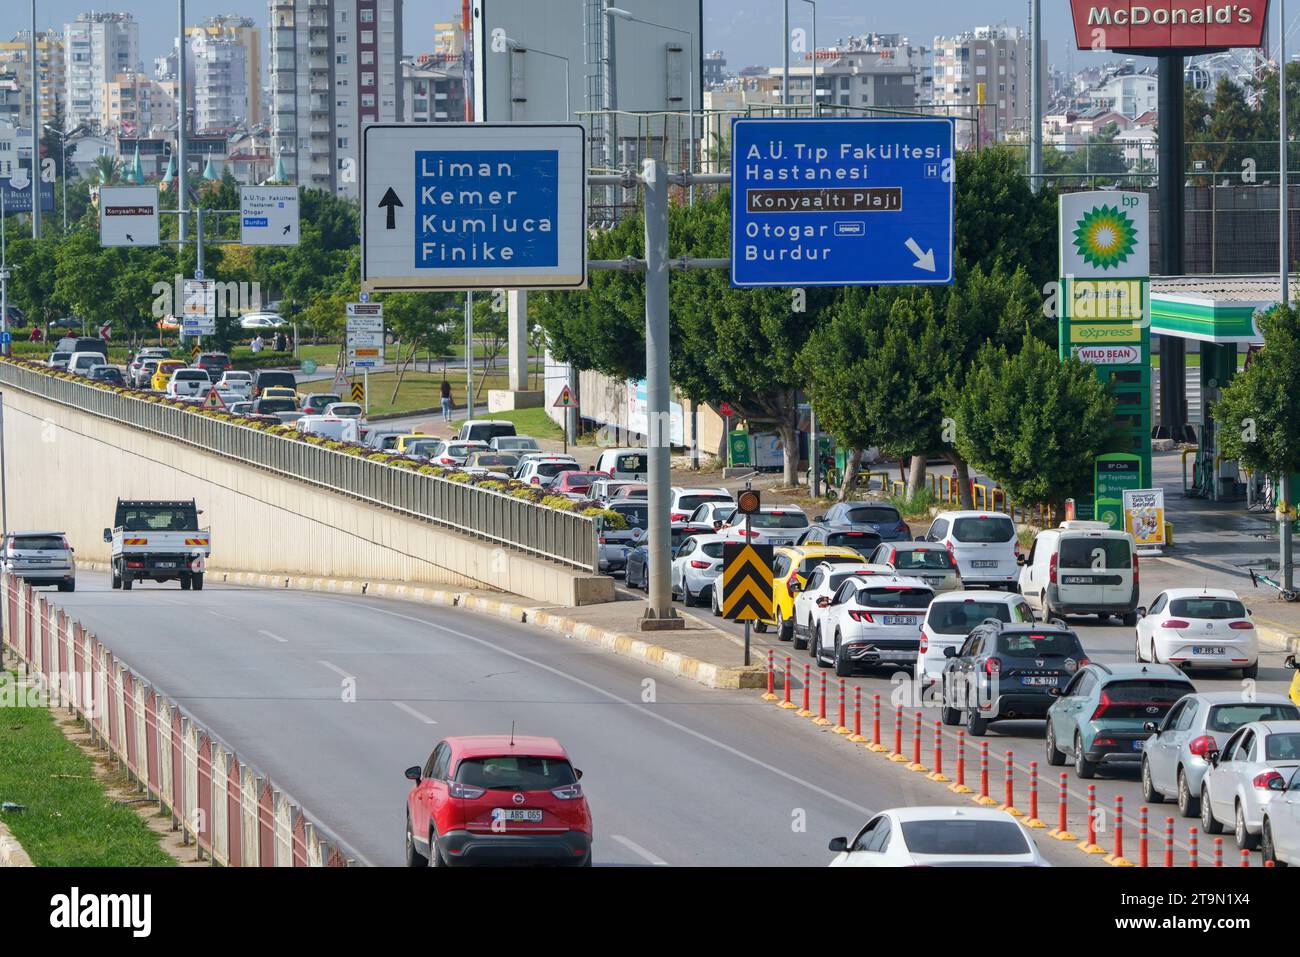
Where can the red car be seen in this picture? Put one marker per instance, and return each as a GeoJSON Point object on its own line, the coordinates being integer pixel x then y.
{"type": "Point", "coordinates": [497, 799]}
{"type": "Point", "coordinates": [575, 483]}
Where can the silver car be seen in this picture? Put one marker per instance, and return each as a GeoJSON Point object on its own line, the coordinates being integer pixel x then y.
{"type": "Point", "coordinates": [40, 558]}
{"type": "Point", "coordinates": [616, 542]}
{"type": "Point", "coordinates": [1176, 757]}
{"type": "Point", "coordinates": [696, 568]}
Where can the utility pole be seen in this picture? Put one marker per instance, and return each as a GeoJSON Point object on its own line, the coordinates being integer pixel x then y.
{"type": "Point", "coordinates": [1284, 271]}
{"type": "Point", "coordinates": [785, 55]}
{"type": "Point", "coordinates": [1036, 94]}
{"type": "Point", "coordinates": [654, 177]}
{"type": "Point", "coordinates": [36, 134]}
{"type": "Point", "coordinates": [182, 116]}
{"type": "Point", "coordinates": [469, 355]}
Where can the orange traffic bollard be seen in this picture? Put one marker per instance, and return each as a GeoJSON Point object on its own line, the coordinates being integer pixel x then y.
{"type": "Point", "coordinates": [897, 753]}
{"type": "Point", "coordinates": [805, 711]}
{"type": "Point", "coordinates": [1218, 852]}
{"type": "Point", "coordinates": [841, 728]}
{"type": "Point", "coordinates": [856, 736]}
{"type": "Point", "coordinates": [1142, 836]}
{"type": "Point", "coordinates": [937, 774]}
{"type": "Point", "coordinates": [1062, 831]}
{"type": "Point", "coordinates": [1089, 844]}
{"type": "Point", "coordinates": [1193, 847]}
{"type": "Point", "coordinates": [821, 703]}
{"type": "Point", "coordinates": [983, 796]}
{"type": "Point", "coordinates": [1008, 804]}
{"type": "Point", "coordinates": [787, 703]}
{"type": "Point", "coordinates": [770, 694]}
{"type": "Point", "coordinates": [1169, 842]}
{"type": "Point", "coordinates": [916, 764]}
{"type": "Point", "coordinates": [875, 724]}
{"type": "Point", "coordinates": [1033, 821]}
{"type": "Point", "coordinates": [959, 787]}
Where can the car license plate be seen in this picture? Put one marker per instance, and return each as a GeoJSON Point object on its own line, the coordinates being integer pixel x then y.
{"type": "Point", "coordinates": [984, 564]}
{"type": "Point", "coordinates": [898, 620]}
{"type": "Point", "coordinates": [516, 814]}
{"type": "Point", "coordinates": [1137, 745]}
{"type": "Point", "coordinates": [1207, 649]}
{"type": "Point", "coordinates": [1077, 580]}
{"type": "Point", "coordinates": [1044, 680]}
{"type": "Point", "coordinates": [166, 564]}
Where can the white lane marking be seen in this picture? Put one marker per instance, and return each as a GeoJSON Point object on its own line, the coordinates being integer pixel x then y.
{"type": "Point", "coordinates": [644, 712]}
{"type": "Point", "coordinates": [334, 668]}
{"type": "Point", "coordinates": [220, 615]}
{"type": "Point", "coordinates": [271, 634]}
{"type": "Point", "coordinates": [413, 713]}
{"type": "Point", "coordinates": [639, 851]}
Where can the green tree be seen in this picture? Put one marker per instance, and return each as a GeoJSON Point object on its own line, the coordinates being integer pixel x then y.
{"type": "Point", "coordinates": [1033, 422]}
{"type": "Point", "coordinates": [1258, 413]}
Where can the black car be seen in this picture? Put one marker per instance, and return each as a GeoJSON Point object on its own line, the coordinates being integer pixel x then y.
{"type": "Point", "coordinates": [83, 344]}
{"type": "Point", "coordinates": [637, 570]}
{"type": "Point", "coordinates": [215, 363]}
{"type": "Point", "coordinates": [269, 378]}
{"type": "Point", "coordinates": [879, 517]}
{"type": "Point", "coordinates": [1008, 670]}
{"type": "Point", "coordinates": [110, 374]}
{"type": "Point", "coordinates": [861, 539]}
{"type": "Point", "coordinates": [273, 405]}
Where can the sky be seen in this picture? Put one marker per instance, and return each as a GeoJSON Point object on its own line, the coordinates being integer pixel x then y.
{"type": "Point", "coordinates": [747, 31]}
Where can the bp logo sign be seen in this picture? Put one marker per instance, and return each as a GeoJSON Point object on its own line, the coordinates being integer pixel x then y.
{"type": "Point", "coordinates": [1105, 237]}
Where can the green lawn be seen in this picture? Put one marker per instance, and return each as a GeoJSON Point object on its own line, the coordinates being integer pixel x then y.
{"type": "Point", "coordinates": [420, 390]}
{"type": "Point", "coordinates": [534, 422]}
{"type": "Point", "coordinates": [69, 821]}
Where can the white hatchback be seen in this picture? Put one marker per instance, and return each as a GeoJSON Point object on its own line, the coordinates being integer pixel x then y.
{"type": "Point", "coordinates": [983, 544]}
{"type": "Point", "coordinates": [951, 617]}
{"type": "Point", "coordinates": [939, 837]}
{"type": "Point", "coordinates": [770, 525]}
{"type": "Point", "coordinates": [1198, 628]}
{"type": "Point", "coordinates": [872, 622]}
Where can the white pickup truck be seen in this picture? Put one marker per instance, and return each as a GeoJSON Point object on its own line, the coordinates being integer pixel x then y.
{"type": "Point", "coordinates": [158, 541]}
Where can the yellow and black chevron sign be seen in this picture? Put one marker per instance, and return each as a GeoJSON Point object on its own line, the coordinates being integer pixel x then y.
{"type": "Point", "coordinates": [746, 582]}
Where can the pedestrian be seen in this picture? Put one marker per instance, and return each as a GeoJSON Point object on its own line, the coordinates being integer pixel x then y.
{"type": "Point", "coordinates": [446, 400]}
{"type": "Point", "coordinates": [257, 344]}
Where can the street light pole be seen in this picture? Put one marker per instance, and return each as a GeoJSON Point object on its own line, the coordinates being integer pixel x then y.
{"type": "Point", "coordinates": [182, 115]}
{"type": "Point", "coordinates": [1036, 95]}
{"type": "Point", "coordinates": [1284, 269]}
{"type": "Point", "coordinates": [813, 4]}
{"type": "Point", "coordinates": [785, 54]}
{"type": "Point", "coordinates": [36, 136]}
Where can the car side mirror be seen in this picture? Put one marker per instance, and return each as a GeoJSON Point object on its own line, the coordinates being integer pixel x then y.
{"type": "Point", "coordinates": [1277, 784]}
{"type": "Point", "coordinates": [838, 845]}
{"type": "Point", "coordinates": [413, 773]}
{"type": "Point", "coordinates": [823, 602]}
{"type": "Point", "coordinates": [795, 588]}
{"type": "Point", "coordinates": [577, 772]}
{"type": "Point", "coordinates": [1152, 727]}
{"type": "Point", "coordinates": [1140, 611]}
{"type": "Point", "coordinates": [1290, 662]}
{"type": "Point", "coordinates": [950, 652]}
{"type": "Point", "coordinates": [1213, 757]}
{"type": "Point", "coordinates": [920, 538]}
{"type": "Point", "coordinates": [108, 535]}
{"type": "Point", "coordinates": [819, 518]}
{"type": "Point", "coordinates": [1020, 560]}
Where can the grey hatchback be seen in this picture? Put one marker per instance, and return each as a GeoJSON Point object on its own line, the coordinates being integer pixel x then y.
{"type": "Point", "coordinates": [40, 558]}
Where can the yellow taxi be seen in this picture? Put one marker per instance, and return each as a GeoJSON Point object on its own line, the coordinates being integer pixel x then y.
{"type": "Point", "coordinates": [163, 374]}
{"type": "Point", "coordinates": [279, 392]}
{"type": "Point", "coordinates": [404, 440]}
{"type": "Point", "coordinates": [791, 567]}
{"type": "Point", "coordinates": [1294, 693]}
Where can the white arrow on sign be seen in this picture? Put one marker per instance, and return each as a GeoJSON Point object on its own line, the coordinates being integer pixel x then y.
{"type": "Point", "coordinates": [924, 260]}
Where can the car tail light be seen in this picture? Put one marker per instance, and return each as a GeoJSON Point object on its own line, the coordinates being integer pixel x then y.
{"type": "Point", "coordinates": [1260, 782]}
{"type": "Point", "coordinates": [862, 616]}
{"type": "Point", "coordinates": [1236, 625]}
{"type": "Point", "coordinates": [1135, 568]}
{"type": "Point", "coordinates": [135, 564]}
{"type": "Point", "coordinates": [678, 516]}
{"type": "Point", "coordinates": [446, 461]}
{"type": "Point", "coordinates": [1102, 706]}
{"type": "Point", "coordinates": [1103, 742]}
{"type": "Point", "coordinates": [902, 529]}
{"type": "Point", "coordinates": [64, 540]}
{"type": "Point", "coordinates": [925, 643]}
{"type": "Point", "coordinates": [699, 564]}
{"type": "Point", "coordinates": [1202, 746]}
{"type": "Point", "coordinates": [1174, 623]}
{"type": "Point", "coordinates": [993, 666]}
{"type": "Point", "coordinates": [570, 792]}
{"type": "Point", "coordinates": [1051, 569]}
{"type": "Point", "coordinates": [602, 540]}
{"type": "Point", "coordinates": [791, 581]}
{"type": "Point", "coordinates": [466, 791]}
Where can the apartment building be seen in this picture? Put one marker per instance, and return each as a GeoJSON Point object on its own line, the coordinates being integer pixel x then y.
{"type": "Point", "coordinates": [987, 67]}
{"type": "Point", "coordinates": [432, 94]}
{"type": "Point", "coordinates": [97, 47]}
{"type": "Point", "coordinates": [135, 103]}
{"type": "Point", "coordinates": [50, 77]}
{"type": "Point", "coordinates": [219, 86]}
{"type": "Point", "coordinates": [858, 72]}
{"type": "Point", "coordinates": [335, 66]}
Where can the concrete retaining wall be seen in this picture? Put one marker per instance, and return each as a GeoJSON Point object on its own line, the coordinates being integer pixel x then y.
{"type": "Point", "coordinates": [66, 469]}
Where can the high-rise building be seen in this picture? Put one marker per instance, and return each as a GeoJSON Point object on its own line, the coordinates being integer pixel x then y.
{"type": "Point", "coordinates": [135, 103]}
{"type": "Point", "coordinates": [432, 94]}
{"type": "Point", "coordinates": [334, 68]}
{"type": "Point", "coordinates": [96, 47]}
{"type": "Point", "coordinates": [243, 32]}
{"type": "Point", "coordinates": [49, 70]}
{"type": "Point", "coordinates": [220, 92]}
{"type": "Point", "coordinates": [982, 76]}
{"type": "Point", "coordinates": [858, 72]}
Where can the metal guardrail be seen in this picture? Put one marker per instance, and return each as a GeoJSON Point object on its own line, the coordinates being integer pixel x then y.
{"type": "Point", "coordinates": [483, 513]}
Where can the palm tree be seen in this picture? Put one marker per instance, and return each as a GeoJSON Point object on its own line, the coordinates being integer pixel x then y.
{"type": "Point", "coordinates": [107, 169]}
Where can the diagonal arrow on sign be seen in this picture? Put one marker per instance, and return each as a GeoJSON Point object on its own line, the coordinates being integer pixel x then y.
{"type": "Point", "coordinates": [924, 260]}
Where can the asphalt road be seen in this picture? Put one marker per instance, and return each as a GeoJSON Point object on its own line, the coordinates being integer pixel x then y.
{"type": "Point", "coordinates": [1108, 642]}
{"type": "Point", "coordinates": [676, 774]}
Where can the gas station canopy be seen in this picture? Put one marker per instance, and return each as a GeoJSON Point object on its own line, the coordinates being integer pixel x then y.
{"type": "Point", "coordinates": [1218, 309]}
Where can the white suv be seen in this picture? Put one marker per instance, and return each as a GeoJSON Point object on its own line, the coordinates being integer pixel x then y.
{"type": "Point", "coordinates": [950, 619]}
{"type": "Point", "coordinates": [873, 621]}
{"type": "Point", "coordinates": [983, 544]}
{"type": "Point", "coordinates": [189, 382]}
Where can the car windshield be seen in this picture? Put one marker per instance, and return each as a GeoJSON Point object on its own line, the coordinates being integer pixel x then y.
{"type": "Point", "coordinates": [934, 558]}
{"type": "Point", "coordinates": [515, 442]}
{"type": "Point", "coordinates": [37, 543]}
{"type": "Point", "coordinates": [872, 514]}
{"type": "Point", "coordinates": [423, 447]}
{"type": "Point", "coordinates": [1282, 747]}
{"type": "Point", "coordinates": [850, 539]}
{"type": "Point", "coordinates": [1213, 608]}
{"type": "Point", "coordinates": [808, 564]}
{"type": "Point", "coordinates": [637, 515]}
{"type": "Point", "coordinates": [322, 399]}
{"type": "Point", "coordinates": [162, 518]}
{"type": "Point", "coordinates": [488, 431]}
{"type": "Point", "coordinates": [839, 578]}
{"type": "Point", "coordinates": [985, 529]}
{"type": "Point", "coordinates": [515, 772]}
{"type": "Point", "coordinates": [1085, 553]}
{"type": "Point", "coordinates": [191, 375]}
{"type": "Point", "coordinates": [507, 460]}
{"type": "Point", "coordinates": [238, 376]}
{"type": "Point", "coordinates": [895, 597]}
{"type": "Point", "coordinates": [778, 520]}
{"type": "Point", "coordinates": [1226, 718]}
{"type": "Point", "coordinates": [461, 451]}
{"type": "Point", "coordinates": [1146, 691]}
{"type": "Point", "coordinates": [984, 838]}
{"type": "Point", "coordinates": [959, 617]}
{"type": "Point", "coordinates": [555, 468]}
{"type": "Point", "coordinates": [276, 405]}
{"type": "Point", "coordinates": [1039, 644]}
{"type": "Point", "coordinates": [689, 503]}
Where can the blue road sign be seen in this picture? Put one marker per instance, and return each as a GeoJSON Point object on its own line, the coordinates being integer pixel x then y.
{"type": "Point", "coordinates": [6, 338]}
{"type": "Point", "coordinates": [20, 200]}
{"type": "Point", "coordinates": [842, 202]}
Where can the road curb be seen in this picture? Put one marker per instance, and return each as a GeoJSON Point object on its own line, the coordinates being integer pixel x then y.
{"type": "Point", "coordinates": [708, 673]}
{"type": "Point", "coordinates": [11, 852]}
{"type": "Point", "coordinates": [1275, 636]}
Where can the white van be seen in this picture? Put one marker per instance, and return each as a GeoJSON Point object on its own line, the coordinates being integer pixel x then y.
{"type": "Point", "coordinates": [628, 465]}
{"type": "Point", "coordinates": [1082, 568]}
{"type": "Point", "coordinates": [82, 362]}
{"type": "Point", "coordinates": [983, 544]}
{"type": "Point", "coordinates": [341, 428]}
